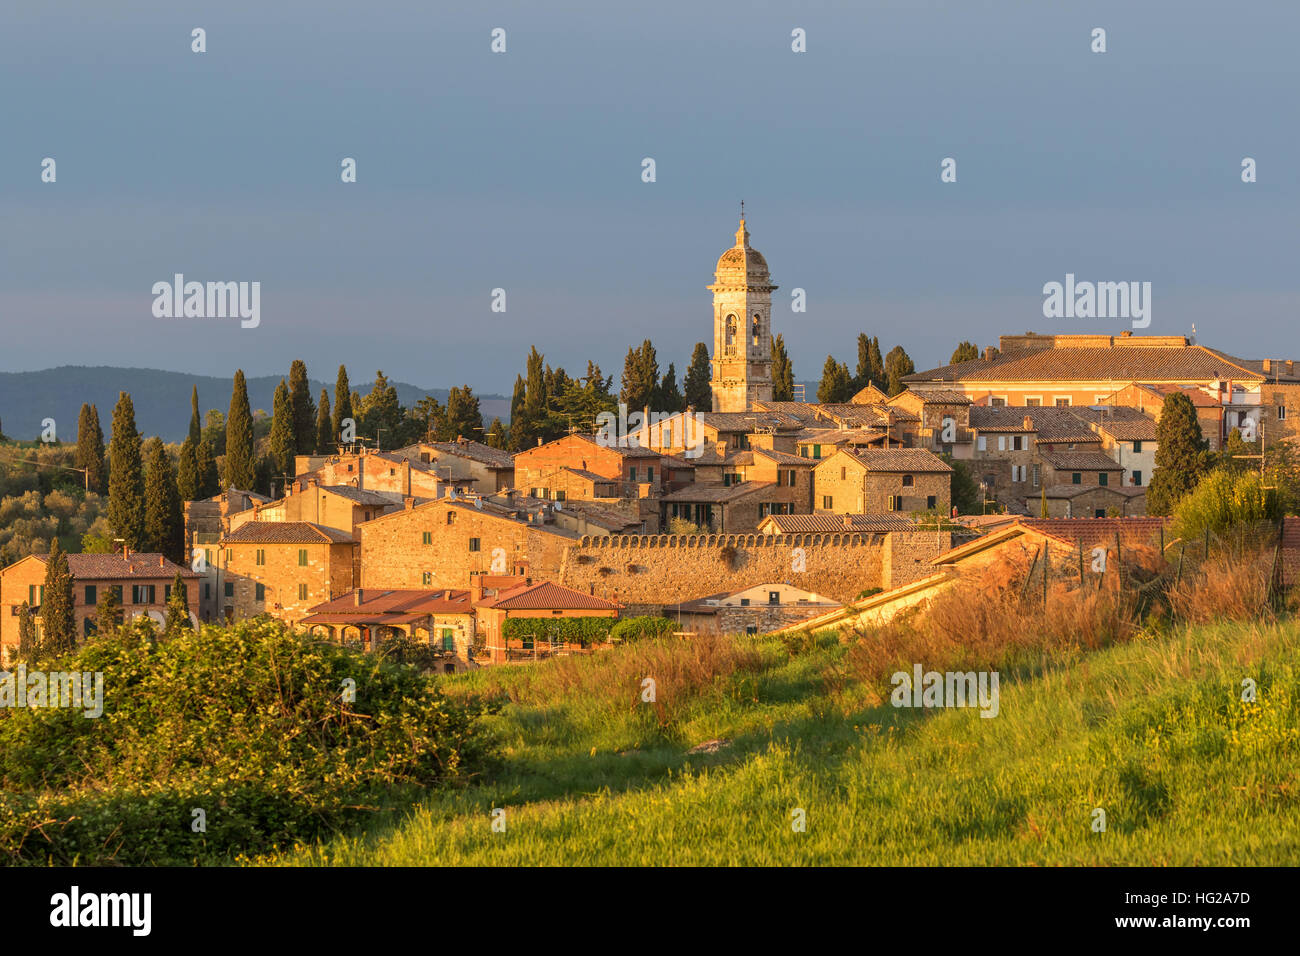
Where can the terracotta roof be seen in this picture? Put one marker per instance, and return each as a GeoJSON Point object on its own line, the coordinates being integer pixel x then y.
{"type": "Point", "coordinates": [88, 567]}
{"type": "Point", "coordinates": [804, 411]}
{"type": "Point", "coordinates": [363, 496]}
{"type": "Point", "coordinates": [781, 457]}
{"type": "Point", "coordinates": [1068, 491]}
{"type": "Point", "coordinates": [937, 396]}
{"type": "Point", "coordinates": [1192, 363]}
{"type": "Point", "coordinates": [1120, 423]}
{"type": "Point", "coordinates": [998, 418]}
{"type": "Point", "coordinates": [1079, 460]}
{"type": "Point", "coordinates": [589, 475]}
{"type": "Point", "coordinates": [286, 532]}
{"type": "Point", "coordinates": [602, 517]}
{"type": "Point", "coordinates": [748, 421]}
{"type": "Point", "coordinates": [1090, 530]}
{"type": "Point", "coordinates": [630, 451]}
{"type": "Point", "coordinates": [379, 605]}
{"type": "Point", "coordinates": [835, 524]}
{"type": "Point", "coordinates": [476, 451]}
{"type": "Point", "coordinates": [547, 595]}
{"type": "Point", "coordinates": [717, 493]}
{"type": "Point", "coordinates": [898, 459]}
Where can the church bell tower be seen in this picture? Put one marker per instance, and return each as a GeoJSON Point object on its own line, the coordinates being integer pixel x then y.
{"type": "Point", "coordinates": [742, 327]}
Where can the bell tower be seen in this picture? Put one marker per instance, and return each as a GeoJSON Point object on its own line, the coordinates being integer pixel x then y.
{"type": "Point", "coordinates": [742, 327]}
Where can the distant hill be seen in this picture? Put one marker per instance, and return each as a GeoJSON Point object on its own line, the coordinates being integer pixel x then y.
{"type": "Point", "coordinates": [161, 399]}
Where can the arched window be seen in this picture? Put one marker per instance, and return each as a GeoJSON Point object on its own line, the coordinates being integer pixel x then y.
{"type": "Point", "coordinates": [731, 334]}
{"type": "Point", "coordinates": [755, 326]}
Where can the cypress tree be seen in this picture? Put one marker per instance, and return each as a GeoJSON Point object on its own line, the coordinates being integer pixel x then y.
{"type": "Point", "coordinates": [209, 483]}
{"type": "Point", "coordinates": [90, 448]}
{"type": "Point", "coordinates": [965, 352]}
{"type": "Point", "coordinates": [496, 436]}
{"type": "Point", "coordinates": [1180, 455]}
{"type": "Point", "coordinates": [324, 426]}
{"type": "Point", "coordinates": [877, 376]}
{"type": "Point", "coordinates": [108, 612]}
{"type": "Point", "coordinates": [164, 524]}
{"type": "Point", "coordinates": [241, 468]}
{"type": "Point", "coordinates": [282, 436]}
{"type": "Point", "coordinates": [463, 418]}
{"type": "Point", "coordinates": [27, 647]}
{"type": "Point", "coordinates": [178, 607]}
{"type": "Point", "coordinates": [304, 409]}
{"type": "Point", "coordinates": [126, 476]}
{"type": "Point", "coordinates": [697, 392]}
{"type": "Point", "coordinates": [188, 484]}
{"type": "Point", "coordinates": [670, 398]}
{"type": "Point", "coordinates": [640, 378]}
{"type": "Point", "coordinates": [58, 618]}
{"type": "Point", "coordinates": [196, 427]}
{"type": "Point", "coordinates": [342, 402]}
{"type": "Point", "coordinates": [836, 384]}
{"type": "Point", "coordinates": [897, 364]}
{"type": "Point", "coordinates": [782, 371]}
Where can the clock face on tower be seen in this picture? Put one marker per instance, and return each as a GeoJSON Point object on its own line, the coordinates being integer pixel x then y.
{"type": "Point", "coordinates": [742, 347]}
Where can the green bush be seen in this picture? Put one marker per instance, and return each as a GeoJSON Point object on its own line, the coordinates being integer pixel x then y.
{"type": "Point", "coordinates": [569, 630]}
{"type": "Point", "coordinates": [636, 628]}
{"type": "Point", "coordinates": [248, 723]}
{"type": "Point", "coordinates": [1222, 500]}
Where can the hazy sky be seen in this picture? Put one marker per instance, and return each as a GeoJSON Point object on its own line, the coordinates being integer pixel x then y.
{"type": "Point", "coordinates": [523, 171]}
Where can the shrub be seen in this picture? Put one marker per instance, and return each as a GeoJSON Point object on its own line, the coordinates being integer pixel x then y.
{"type": "Point", "coordinates": [248, 723]}
{"type": "Point", "coordinates": [1224, 499]}
{"type": "Point", "coordinates": [636, 628]}
{"type": "Point", "coordinates": [569, 630]}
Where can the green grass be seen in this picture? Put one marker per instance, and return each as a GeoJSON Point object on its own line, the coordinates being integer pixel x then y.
{"type": "Point", "coordinates": [1153, 732]}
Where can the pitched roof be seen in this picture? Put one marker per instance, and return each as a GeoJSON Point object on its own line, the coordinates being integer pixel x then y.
{"type": "Point", "coordinates": [749, 421]}
{"type": "Point", "coordinates": [475, 451]}
{"type": "Point", "coordinates": [836, 524]}
{"type": "Point", "coordinates": [1091, 530]}
{"type": "Point", "coordinates": [363, 496]}
{"type": "Point", "coordinates": [719, 494]}
{"type": "Point", "coordinates": [589, 475]}
{"type": "Point", "coordinates": [1120, 423]}
{"type": "Point", "coordinates": [897, 459]}
{"type": "Point", "coordinates": [547, 595]}
{"type": "Point", "coordinates": [87, 567]}
{"type": "Point", "coordinates": [1134, 363]}
{"type": "Point", "coordinates": [378, 605]}
{"type": "Point", "coordinates": [1079, 460]}
{"type": "Point", "coordinates": [803, 411]}
{"type": "Point", "coordinates": [286, 532]}
{"type": "Point", "coordinates": [781, 457]}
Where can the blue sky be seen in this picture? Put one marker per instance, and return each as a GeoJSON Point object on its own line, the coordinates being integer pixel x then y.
{"type": "Point", "coordinates": [522, 171]}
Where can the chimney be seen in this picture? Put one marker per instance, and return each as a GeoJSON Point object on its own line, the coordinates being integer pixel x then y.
{"type": "Point", "coordinates": [406, 476]}
{"type": "Point", "coordinates": [988, 353]}
{"type": "Point", "coordinates": [476, 588]}
{"type": "Point", "coordinates": [1268, 365]}
{"type": "Point", "coordinates": [1029, 424]}
{"type": "Point", "coordinates": [358, 596]}
{"type": "Point", "coordinates": [1290, 366]}
{"type": "Point", "coordinates": [408, 502]}
{"type": "Point", "coordinates": [162, 562]}
{"type": "Point", "coordinates": [848, 522]}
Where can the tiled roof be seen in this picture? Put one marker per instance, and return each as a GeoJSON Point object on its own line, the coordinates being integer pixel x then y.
{"type": "Point", "coordinates": [364, 496]}
{"type": "Point", "coordinates": [476, 451]}
{"type": "Point", "coordinates": [1072, 491]}
{"type": "Point", "coordinates": [1079, 460]}
{"type": "Point", "coordinates": [286, 532]}
{"type": "Point", "coordinates": [1122, 424]}
{"type": "Point", "coordinates": [630, 451]}
{"type": "Point", "coordinates": [1193, 363]}
{"type": "Point", "coordinates": [547, 595]}
{"type": "Point", "coordinates": [939, 396]}
{"type": "Point", "coordinates": [717, 493]}
{"type": "Point", "coordinates": [832, 524]}
{"type": "Point", "coordinates": [88, 567]}
{"type": "Point", "coordinates": [380, 601]}
{"type": "Point", "coordinates": [1091, 530]}
{"type": "Point", "coordinates": [781, 457]}
{"type": "Point", "coordinates": [748, 421]}
{"type": "Point", "coordinates": [997, 418]}
{"type": "Point", "coordinates": [804, 411]}
{"type": "Point", "coordinates": [589, 475]}
{"type": "Point", "coordinates": [602, 517]}
{"type": "Point", "coordinates": [898, 459]}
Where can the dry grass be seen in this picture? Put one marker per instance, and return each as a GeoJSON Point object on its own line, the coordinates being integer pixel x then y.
{"type": "Point", "coordinates": [1232, 584]}
{"type": "Point", "coordinates": [986, 622]}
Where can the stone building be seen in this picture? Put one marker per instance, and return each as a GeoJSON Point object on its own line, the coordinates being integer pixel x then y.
{"type": "Point", "coordinates": [756, 610]}
{"type": "Point", "coordinates": [543, 599]}
{"type": "Point", "coordinates": [487, 469]}
{"type": "Point", "coordinates": [283, 568]}
{"type": "Point", "coordinates": [742, 327]}
{"type": "Point", "coordinates": [442, 619]}
{"type": "Point", "coordinates": [870, 480]}
{"type": "Point", "coordinates": [635, 472]}
{"type": "Point", "coordinates": [143, 583]}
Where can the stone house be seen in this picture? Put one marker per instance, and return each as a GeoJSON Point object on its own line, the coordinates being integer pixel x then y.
{"type": "Point", "coordinates": [879, 480]}
{"type": "Point", "coordinates": [543, 599]}
{"type": "Point", "coordinates": [755, 610]}
{"type": "Point", "coordinates": [443, 619]}
{"type": "Point", "coordinates": [283, 568]}
{"type": "Point", "coordinates": [487, 469]}
{"type": "Point", "coordinates": [635, 471]}
{"type": "Point", "coordinates": [143, 583]}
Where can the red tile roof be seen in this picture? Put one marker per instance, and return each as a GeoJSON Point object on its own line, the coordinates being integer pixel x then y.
{"type": "Point", "coordinates": [547, 595]}
{"type": "Point", "coordinates": [87, 567]}
{"type": "Point", "coordinates": [381, 606]}
{"type": "Point", "coordinates": [286, 532]}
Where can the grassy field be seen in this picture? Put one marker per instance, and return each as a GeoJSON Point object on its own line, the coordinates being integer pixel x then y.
{"type": "Point", "coordinates": [1153, 732]}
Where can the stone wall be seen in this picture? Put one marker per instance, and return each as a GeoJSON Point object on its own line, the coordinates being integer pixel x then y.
{"type": "Point", "coordinates": [645, 571]}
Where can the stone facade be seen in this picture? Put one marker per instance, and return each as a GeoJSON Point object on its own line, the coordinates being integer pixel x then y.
{"type": "Point", "coordinates": [852, 484]}
{"type": "Point", "coordinates": [742, 328]}
{"type": "Point", "coordinates": [264, 573]}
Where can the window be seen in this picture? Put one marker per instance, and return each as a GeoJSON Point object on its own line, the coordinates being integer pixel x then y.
{"type": "Point", "coordinates": [167, 592]}
{"type": "Point", "coordinates": [1002, 443]}
{"type": "Point", "coordinates": [931, 502]}
{"type": "Point", "coordinates": [791, 477]}
{"type": "Point", "coordinates": [207, 590]}
{"type": "Point", "coordinates": [142, 594]}
{"type": "Point", "coordinates": [474, 544]}
{"type": "Point", "coordinates": [88, 626]}
{"type": "Point", "coordinates": [895, 502]}
{"type": "Point", "coordinates": [1076, 479]}
{"type": "Point", "coordinates": [451, 517]}
{"type": "Point", "coordinates": [817, 451]}
{"type": "Point", "coordinates": [1062, 401]}
{"type": "Point", "coordinates": [631, 473]}
{"type": "Point", "coordinates": [561, 495]}
{"type": "Point", "coordinates": [1099, 512]}
{"type": "Point", "coordinates": [1137, 446]}
{"type": "Point", "coordinates": [998, 402]}
{"type": "Point", "coordinates": [751, 628]}
{"type": "Point", "coordinates": [982, 443]}
{"type": "Point", "coordinates": [230, 555]}
{"type": "Point", "coordinates": [828, 502]}
{"type": "Point", "coordinates": [780, 478]}
{"type": "Point", "coordinates": [773, 597]}
{"type": "Point", "coordinates": [426, 537]}
{"type": "Point", "coordinates": [754, 329]}
{"type": "Point", "coordinates": [1017, 443]}
{"type": "Point", "coordinates": [1281, 413]}
{"type": "Point", "coordinates": [1033, 401]}
{"type": "Point", "coordinates": [1036, 476]}
{"type": "Point", "coordinates": [261, 556]}
{"type": "Point", "coordinates": [302, 557]}
{"type": "Point", "coordinates": [649, 474]}
{"type": "Point", "coordinates": [426, 578]}
{"type": "Point", "coordinates": [92, 595]}
{"type": "Point", "coordinates": [844, 473]}
{"type": "Point", "coordinates": [260, 593]}
{"type": "Point", "coordinates": [117, 593]}
{"type": "Point", "coordinates": [1103, 478]}
{"type": "Point", "coordinates": [1137, 478]}
{"type": "Point", "coordinates": [302, 592]}
{"type": "Point", "coordinates": [35, 595]}
{"type": "Point", "coordinates": [448, 639]}
{"type": "Point", "coordinates": [744, 602]}
{"type": "Point", "coordinates": [907, 481]}
{"type": "Point", "coordinates": [230, 589]}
